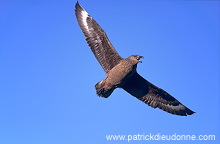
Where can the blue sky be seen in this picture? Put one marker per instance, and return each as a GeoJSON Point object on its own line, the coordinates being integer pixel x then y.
{"type": "Point", "coordinates": [48, 73]}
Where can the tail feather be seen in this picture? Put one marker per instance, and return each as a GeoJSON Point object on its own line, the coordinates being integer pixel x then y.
{"type": "Point", "coordinates": [101, 91]}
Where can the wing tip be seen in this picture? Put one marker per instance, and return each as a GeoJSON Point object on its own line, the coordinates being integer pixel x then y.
{"type": "Point", "coordinates": [78, 7]}
{"type": "Point", "coordinates": [189, 112]}
{"type": "Point", "coordinates": [179, 109]}
{"type": "Point", "coordinates": [185, 112]}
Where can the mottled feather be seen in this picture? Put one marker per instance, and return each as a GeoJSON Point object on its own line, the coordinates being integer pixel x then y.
{"type": "Point", "coordinates": [97, 40]}
{"type": "Point", "coordinates": [153, 96]}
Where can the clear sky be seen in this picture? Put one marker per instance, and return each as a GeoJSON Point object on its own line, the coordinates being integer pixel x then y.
{"type": "Point", "coordinates": [48, 73]}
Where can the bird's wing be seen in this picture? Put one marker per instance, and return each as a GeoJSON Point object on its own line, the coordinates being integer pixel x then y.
{"type": "Point", "coordinates": [97, 40]}
{"type": "Point", "coordinates": [154, 96]}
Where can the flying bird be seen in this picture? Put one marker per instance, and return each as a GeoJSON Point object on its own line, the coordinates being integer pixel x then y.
{"type": "Point", "coordinates": [121, 72]}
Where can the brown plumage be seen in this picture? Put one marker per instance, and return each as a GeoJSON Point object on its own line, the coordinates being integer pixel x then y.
{"type": "Point", "coordinates": [121, 73]}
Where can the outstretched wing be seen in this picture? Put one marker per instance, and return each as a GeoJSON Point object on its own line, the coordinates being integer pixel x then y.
{"type": "Point", "coordinates": [154, 96]}
{"type": "Point", "coordinates": [97, 40]}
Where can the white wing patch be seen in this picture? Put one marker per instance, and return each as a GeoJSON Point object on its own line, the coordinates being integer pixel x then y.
{"type": "Point", "coordinates": [85, 15]}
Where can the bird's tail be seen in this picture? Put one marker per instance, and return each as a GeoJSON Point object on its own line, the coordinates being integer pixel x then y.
{"type": "Point", "coordinates": [102, 91]}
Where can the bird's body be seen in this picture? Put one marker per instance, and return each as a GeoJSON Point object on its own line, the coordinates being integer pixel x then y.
{"type": "Point", "coordinates": [117, 76]}
{"type": "Point", "coordinates": [120, 72]}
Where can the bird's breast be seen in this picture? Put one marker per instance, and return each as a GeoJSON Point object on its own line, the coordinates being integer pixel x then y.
{"type": "Point", "coordinates": [119, 74]}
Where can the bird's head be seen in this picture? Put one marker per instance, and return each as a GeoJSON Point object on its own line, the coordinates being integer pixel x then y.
{"type": "Point", "coordinates": [136, 58]}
